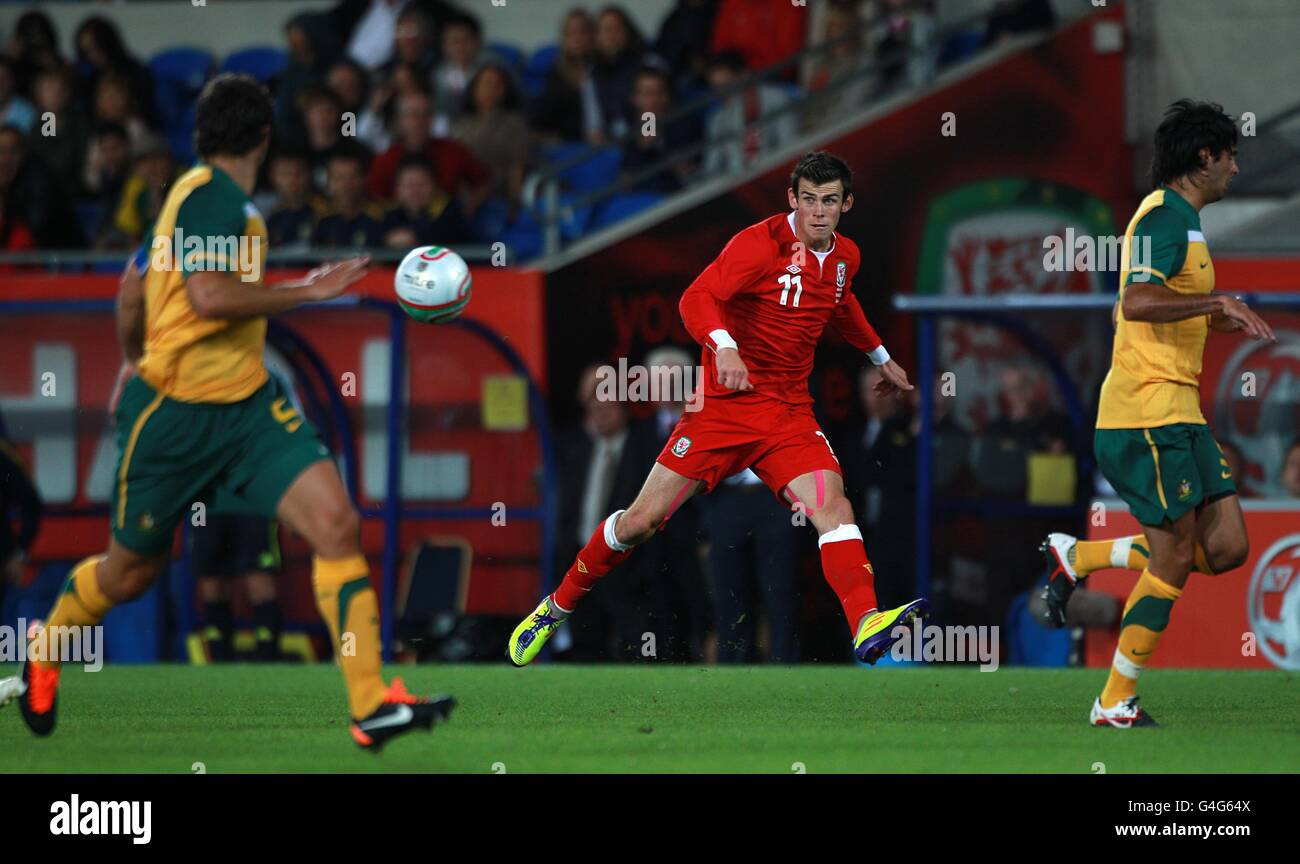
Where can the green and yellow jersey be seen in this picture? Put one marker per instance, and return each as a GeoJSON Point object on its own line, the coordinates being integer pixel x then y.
{"type": "Point", "coordinates": [1154, 377]}
{"type": "Point", "coordinates": [207, 223]}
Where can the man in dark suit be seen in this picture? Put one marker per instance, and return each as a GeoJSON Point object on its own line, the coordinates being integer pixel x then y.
{"type": "Point", "coordinates": [602, 465]}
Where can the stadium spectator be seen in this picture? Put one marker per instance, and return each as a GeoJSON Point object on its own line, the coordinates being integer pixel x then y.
{"type": "Point", "coordinates": [762, 32]}
{"type": "Point", "coordinates": [34, 48]}
{"type": "Point", "coordinates": [15, 235]}
{"type": "Point", "coordinates": [843, 69]}
{"type": "Point", "coordinates": [322, 134]}
{"type": "Point", "coordinates": [462, 47]}
{"type": "Point", "coordinates": [908, 52]}
{"type": "Point", "coordinates": [879, 465]}
{"type": "Point", "coordinates": [31, 200]}
{"type": "Point", "coordinates": [734, 130]}
{"type": "Point", "coordinates": [100, 50]}
{"type": "Point", "coordinates": [347, 80]}
{"type": "Point", "coordinates": [374, 125]}
{"type": "Point", "coordinates": [244, 549]}
{"type": "Point", "coordinates": [142, 196]}
{"type": "Point", "coordinates": [1290, 476]}
{"type": "Point", "coordinates": [457, 170]}
{"type": "Point", "coordinates": [425, 214]}
{"type": "Point", "coordinates": [494, 129]}
{"type": "Point", "coordinates": [312, 46]}
{"type": "Point", "coordinates": [602, 463]}
{"type": "Point", "coordinates": [413, 41]}
{"type": "Point", "coordinates": [675, 583]}
{"type": "Point", "coordinates": [108, 161]}
{"type": "Point", "coordinates": [619, 54]}
{"type": "Point", "coordinates": [568, 109]}
{"type": "Point", "coordinates": [1014, 17]}
{"type": "Point", "coordinates": [1025, 426]}
{"type": "Point", "coordinates": [683, 43]}
{"type": "Point", "coordinates": [115, 104]}
{"type": "Point", "coordinates": [14, 109]}
{"type": "Point", "coordinates": [20, 517]}
{"type": "Point", "coordinates": [654, 138]}
{"type": "Point", "coordinates": [351, 221]}
{"type": "Point", "coordinates": [63, 144]}
{"type": "Point", "coordinates": [293, 217]}
{"type": "Point", "coordinates": [372, 31]}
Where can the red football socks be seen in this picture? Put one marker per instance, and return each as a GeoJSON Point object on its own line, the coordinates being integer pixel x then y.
{"type": "Point", "coordinates": [849, 573]}
{"type": "Point", "coordinates": [602, 553]}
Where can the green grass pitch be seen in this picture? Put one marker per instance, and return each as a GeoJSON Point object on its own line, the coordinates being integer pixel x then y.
{"type": "Point", "coordinates": [663, 719]}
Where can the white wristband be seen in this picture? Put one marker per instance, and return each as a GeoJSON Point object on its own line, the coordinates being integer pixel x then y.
{"type": "Point", "coordinates": [722, 339]}
{"type": "Point", "coordinates": [879, 356]}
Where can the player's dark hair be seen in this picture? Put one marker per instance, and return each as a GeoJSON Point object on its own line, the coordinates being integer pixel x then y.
{"type": "Point", "coordinates": [233, 116]}
{"type": "Point", "coordinates": [819, 168]}
{"type": "Point", "coordinates": [1187, 128]}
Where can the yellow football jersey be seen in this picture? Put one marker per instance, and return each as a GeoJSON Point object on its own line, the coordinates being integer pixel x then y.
{"type": "Point", "coordinates": [1155, 369]}
{"type": "Point", "coordinates": [206, 223]}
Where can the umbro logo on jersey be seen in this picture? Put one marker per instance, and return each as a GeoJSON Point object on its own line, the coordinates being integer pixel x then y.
{"type": "Point", "coordinates": [793, 268]}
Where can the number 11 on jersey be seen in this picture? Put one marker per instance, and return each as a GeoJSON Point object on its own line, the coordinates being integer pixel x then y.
{"type": "Point", "coordinates": [787, 280]}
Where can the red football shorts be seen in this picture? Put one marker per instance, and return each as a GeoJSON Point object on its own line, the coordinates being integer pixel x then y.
{"type": "Point", "coordinates": [778, 440]}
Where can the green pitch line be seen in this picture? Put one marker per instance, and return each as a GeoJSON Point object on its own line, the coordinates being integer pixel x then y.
{"type": "Point", "coordinates": [250, 718]}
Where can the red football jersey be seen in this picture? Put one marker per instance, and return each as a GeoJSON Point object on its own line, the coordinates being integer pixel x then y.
{"type": "Point", "coordinates": [774, 298]}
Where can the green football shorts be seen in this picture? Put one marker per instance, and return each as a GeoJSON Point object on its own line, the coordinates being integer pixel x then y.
{"type": "Point", "coordinates": [1163, 472]}
{"type": "Point", "coordinates": [234, 458]}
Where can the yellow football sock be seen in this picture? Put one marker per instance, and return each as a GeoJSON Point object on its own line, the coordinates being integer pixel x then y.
{"type": "Point", "coordinates": [348, 605]}
{"type": "Point", "coordinates": [1145, 617]}
{"type": "Point", "coordinates": [1203, 563]}
{"type": "Point", "coordinates": [1129, 553]}
{"type": "Point", "coordinates": [82, 604]}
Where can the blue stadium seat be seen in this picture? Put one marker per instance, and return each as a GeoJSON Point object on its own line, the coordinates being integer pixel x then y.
{"type": "Point", "coordinates": [511, 54]}
{"type": "Point", "coordinates": [523, 238]}
{"type": "Point", "coordinates": [263, 62]}
{"type": "Point", "coordinates": [598, 170]}
{"type": "Point", "coordinates": [490, 220]}
{"type": "Point", "coordinates": [623, 206]}
{"type": "Point", "coordinates": [960, 45]}
{"type": "Point", "coordinates": [538, 68]}
{"type": "Point", "coordinates": [178, 76]}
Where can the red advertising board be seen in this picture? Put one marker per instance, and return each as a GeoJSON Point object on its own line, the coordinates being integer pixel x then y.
{"type": "Point", "coordinates": [58, 370]}
{"type": "Point", "coordinates": [1248, 618]}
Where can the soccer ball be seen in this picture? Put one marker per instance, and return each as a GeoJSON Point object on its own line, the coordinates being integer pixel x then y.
{"type": "Point", "coordinates": [433, 284]}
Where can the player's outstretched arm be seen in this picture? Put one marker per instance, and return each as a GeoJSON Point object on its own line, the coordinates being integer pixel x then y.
{"type": "Point", "coordinates": [1159, 304]}
{"type": "Point", "coordinates": [216, 294]}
